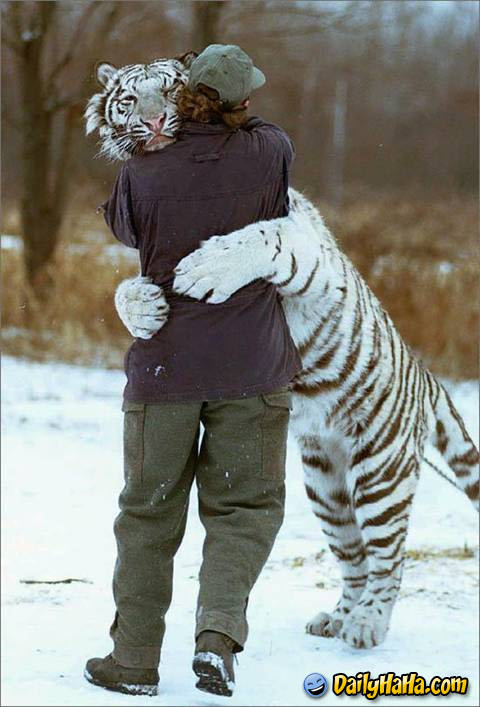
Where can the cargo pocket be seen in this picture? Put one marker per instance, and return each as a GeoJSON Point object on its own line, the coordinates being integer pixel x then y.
{"type": "Point", "coordinates": [274, 427]}
{"type": "Point", "coordinates": [133, 424]}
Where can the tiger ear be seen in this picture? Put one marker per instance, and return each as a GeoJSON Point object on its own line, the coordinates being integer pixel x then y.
{"type": "Point", "coordinates": [104, 72]}
{"type": "Point", "coordinates": [187, 59]}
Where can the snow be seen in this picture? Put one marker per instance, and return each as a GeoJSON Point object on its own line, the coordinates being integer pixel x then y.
{"type": "Point", "coordinates": [111, 251]}
{"type": "Point", "coordinates": [62, 474]}
{"type": "Point", "coordinates": [28, 35]}
{"type": "Point", "coordinates": [217, 662]}
{"type": "Point", "coordinates": [9, 242]}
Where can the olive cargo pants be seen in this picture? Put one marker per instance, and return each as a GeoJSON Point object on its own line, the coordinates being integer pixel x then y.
{"type": "Point", "coordinates": [239, 471]}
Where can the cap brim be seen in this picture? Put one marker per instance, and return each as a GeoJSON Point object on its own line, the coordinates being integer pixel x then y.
{"type": "Point", "coordinates": [258, 78]}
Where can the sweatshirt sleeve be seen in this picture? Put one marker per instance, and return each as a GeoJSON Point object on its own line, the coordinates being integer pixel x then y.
{"type": "Point", "coordinates": [274, 136]}
{"type": "Point", "coordinates": [117, 211]}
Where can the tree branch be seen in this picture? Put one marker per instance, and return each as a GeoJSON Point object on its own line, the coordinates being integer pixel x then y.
{"type": "Point", "coordinates": [11, 16]}
{"type": "Point", "coordinates": [73, 42]}
{"type": "Point", "coordinates": [60, 185]}
{"type": "Point", "coordinates": [108, 23]}
{"type": "Point", "coordinates": [13, 124]}
{"type": "Point", "coordinates": [57, 104]}
{"type": "Point", "coordinates": [11, 44]}
{"type": "Point", "coordinates": [324, 19]}
{"type": "Point", "coordinates": [47, 10]}
{"type": "Point", "coordinates": [288, 34]}
{"type": "Point", "coordinates": [11, 27]}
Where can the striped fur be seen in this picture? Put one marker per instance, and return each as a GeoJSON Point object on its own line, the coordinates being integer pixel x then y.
{"type": "Point", "coordinates": [130, 96]}
{"type": "Point", "coordinates": [364, 406]}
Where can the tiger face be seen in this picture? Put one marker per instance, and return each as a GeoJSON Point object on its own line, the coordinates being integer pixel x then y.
{"type": "Point", "coordinates": [136, 110]}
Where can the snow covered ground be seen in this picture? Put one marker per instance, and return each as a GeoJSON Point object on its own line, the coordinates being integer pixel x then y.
{"type": "Point", "coordinates": [112, 251]}
{"type": "Point", "coordinates": [62, 472]}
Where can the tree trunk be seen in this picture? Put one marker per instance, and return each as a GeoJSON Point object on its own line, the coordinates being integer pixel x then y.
{"type": "Point", "coordinates": [206, 17]}
{"type": "Point", "coordinates": [39, 213]}
{"type": "Point", "coordinates": [338, 140]}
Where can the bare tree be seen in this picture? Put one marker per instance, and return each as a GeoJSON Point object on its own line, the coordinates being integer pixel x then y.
{"type": "Point", "coordinates": [410, 112]}
{"type": "Point", "coordinates": [206, 21]}
{"type": "Point", "coordinates": [47, 114]}
{"type": "Point", "coordinates": [338, 140]}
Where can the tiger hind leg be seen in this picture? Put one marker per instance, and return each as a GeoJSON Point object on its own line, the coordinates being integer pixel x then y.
{"type": "Point", "coordinates": [382, 501]}
{"type": "Point", "coordinates": [325, 487]}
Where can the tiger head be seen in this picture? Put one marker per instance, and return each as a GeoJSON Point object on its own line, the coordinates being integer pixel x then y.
{"type": "Point", "coordinates": [137, 105]}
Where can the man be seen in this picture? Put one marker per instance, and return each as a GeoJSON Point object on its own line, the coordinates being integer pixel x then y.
{"type": "Point", "coordinates": [226, 366]}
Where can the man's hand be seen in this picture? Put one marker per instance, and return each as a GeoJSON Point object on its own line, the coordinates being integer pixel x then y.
{"type": "Point", "coordinates": [141, 306]}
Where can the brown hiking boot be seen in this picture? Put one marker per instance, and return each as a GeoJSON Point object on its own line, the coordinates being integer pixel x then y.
{"type": "Point", "coordinates": [107, 673]}
{"type": "Point", "coordinates": [213, 663]}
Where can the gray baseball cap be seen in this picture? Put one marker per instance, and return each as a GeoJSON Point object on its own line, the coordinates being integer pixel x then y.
{"type": "Point", "coordinates": [227, 69]}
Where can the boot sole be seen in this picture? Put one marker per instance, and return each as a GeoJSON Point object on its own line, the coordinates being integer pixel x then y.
{"type": "Point", "coordinates": [124, 688]}
{"type": "Point", "coordinates": [210, 678]}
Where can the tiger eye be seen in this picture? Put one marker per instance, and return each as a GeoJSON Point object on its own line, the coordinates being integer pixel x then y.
{"type": "Point", "coordinates": [175, 85]}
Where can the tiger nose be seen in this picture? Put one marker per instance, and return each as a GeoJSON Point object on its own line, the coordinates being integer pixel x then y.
{"type": "Point", "coordinates": [156, 124]}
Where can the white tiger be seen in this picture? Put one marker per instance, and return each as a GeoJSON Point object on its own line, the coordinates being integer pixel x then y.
{"type": "Point", "coordinates": [132, 100]}
{"type": "Point", "coordinates": [363, 405]}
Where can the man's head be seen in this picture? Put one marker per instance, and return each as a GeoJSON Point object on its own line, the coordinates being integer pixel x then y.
{"type": "Point", "coordinates": [220, 81]}
{"type": "Point", "coordinates": [228, 70]}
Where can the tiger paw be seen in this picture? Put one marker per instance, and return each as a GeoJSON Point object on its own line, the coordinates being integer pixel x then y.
{"type": "Point", "coordinates": [222, 265]}
{"type": "Point", "coordinates": [325, 625]}
{"type": "Point", "coordinates": [213, 272]}
{"type": "Point", "coordinates": [142, 307]}
{"type": "Point", "coordinates": [365, 627]}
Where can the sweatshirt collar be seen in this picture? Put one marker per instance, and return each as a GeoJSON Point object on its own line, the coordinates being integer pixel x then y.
{"type": "Point", "coordinates": [190, 126]}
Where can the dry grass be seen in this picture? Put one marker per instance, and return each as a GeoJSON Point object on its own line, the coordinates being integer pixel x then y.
{"type": "Point", "coordinates": [419, 258]}
{"type": "Point", "coordinates": [444, 228]}
{"type": "Point", "coordinates": [435, 312]}
{"type": "Point", "coordinates": [79, 324]}
{"type": "Point", "coordinates": [455, 553]}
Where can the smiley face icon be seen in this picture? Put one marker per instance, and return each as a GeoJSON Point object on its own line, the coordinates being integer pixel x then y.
{"type": "Point", "coordinates": [315, 685]}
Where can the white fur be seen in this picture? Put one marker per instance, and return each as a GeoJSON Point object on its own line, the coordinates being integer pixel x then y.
{"type": "Point", "coordinates": [131, 96]}
{"type": "Point", "coordinates": [358, 379]}
{"type": "Point", "coordinates": [141, 306]}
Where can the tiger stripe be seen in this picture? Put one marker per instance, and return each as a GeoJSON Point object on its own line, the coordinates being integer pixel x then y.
{"type": "Point", "coordinates": [364, 408]}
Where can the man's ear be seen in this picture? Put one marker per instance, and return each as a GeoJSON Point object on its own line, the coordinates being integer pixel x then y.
{"type": "Point", "coordinates": [187, 59]}
{"type": "Point", "coordinates": [104, 72]}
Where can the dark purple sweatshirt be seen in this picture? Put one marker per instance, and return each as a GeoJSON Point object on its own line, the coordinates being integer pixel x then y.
{"type": "Point", "coordinates": [212, 181]}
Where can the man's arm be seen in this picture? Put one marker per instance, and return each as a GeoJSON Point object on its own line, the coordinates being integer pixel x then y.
{"type": "Point", "coordinates": [296, 253]}
{"type": "Point", "coordinates": [118, 212]}
{"type": "Point", "coordinates": [273, 136]}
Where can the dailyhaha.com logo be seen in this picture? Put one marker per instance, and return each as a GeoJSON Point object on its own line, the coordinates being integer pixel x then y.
{"type": "Point", "coordinates": [315, 685]}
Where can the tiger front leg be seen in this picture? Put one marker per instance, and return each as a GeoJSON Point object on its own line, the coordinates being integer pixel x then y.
{"type": "Point", "coordinates": [278, 251]}
{"type": "Point", "coordinates": [382, 510]}
{"type": "Point", "coordinates": [324, 463]}
{"type": "Point", "coordinates": [224, 264]}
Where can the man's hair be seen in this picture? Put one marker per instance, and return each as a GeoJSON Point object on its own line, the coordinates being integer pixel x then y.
{"type": "Point", "coordinates": [204, 106]}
